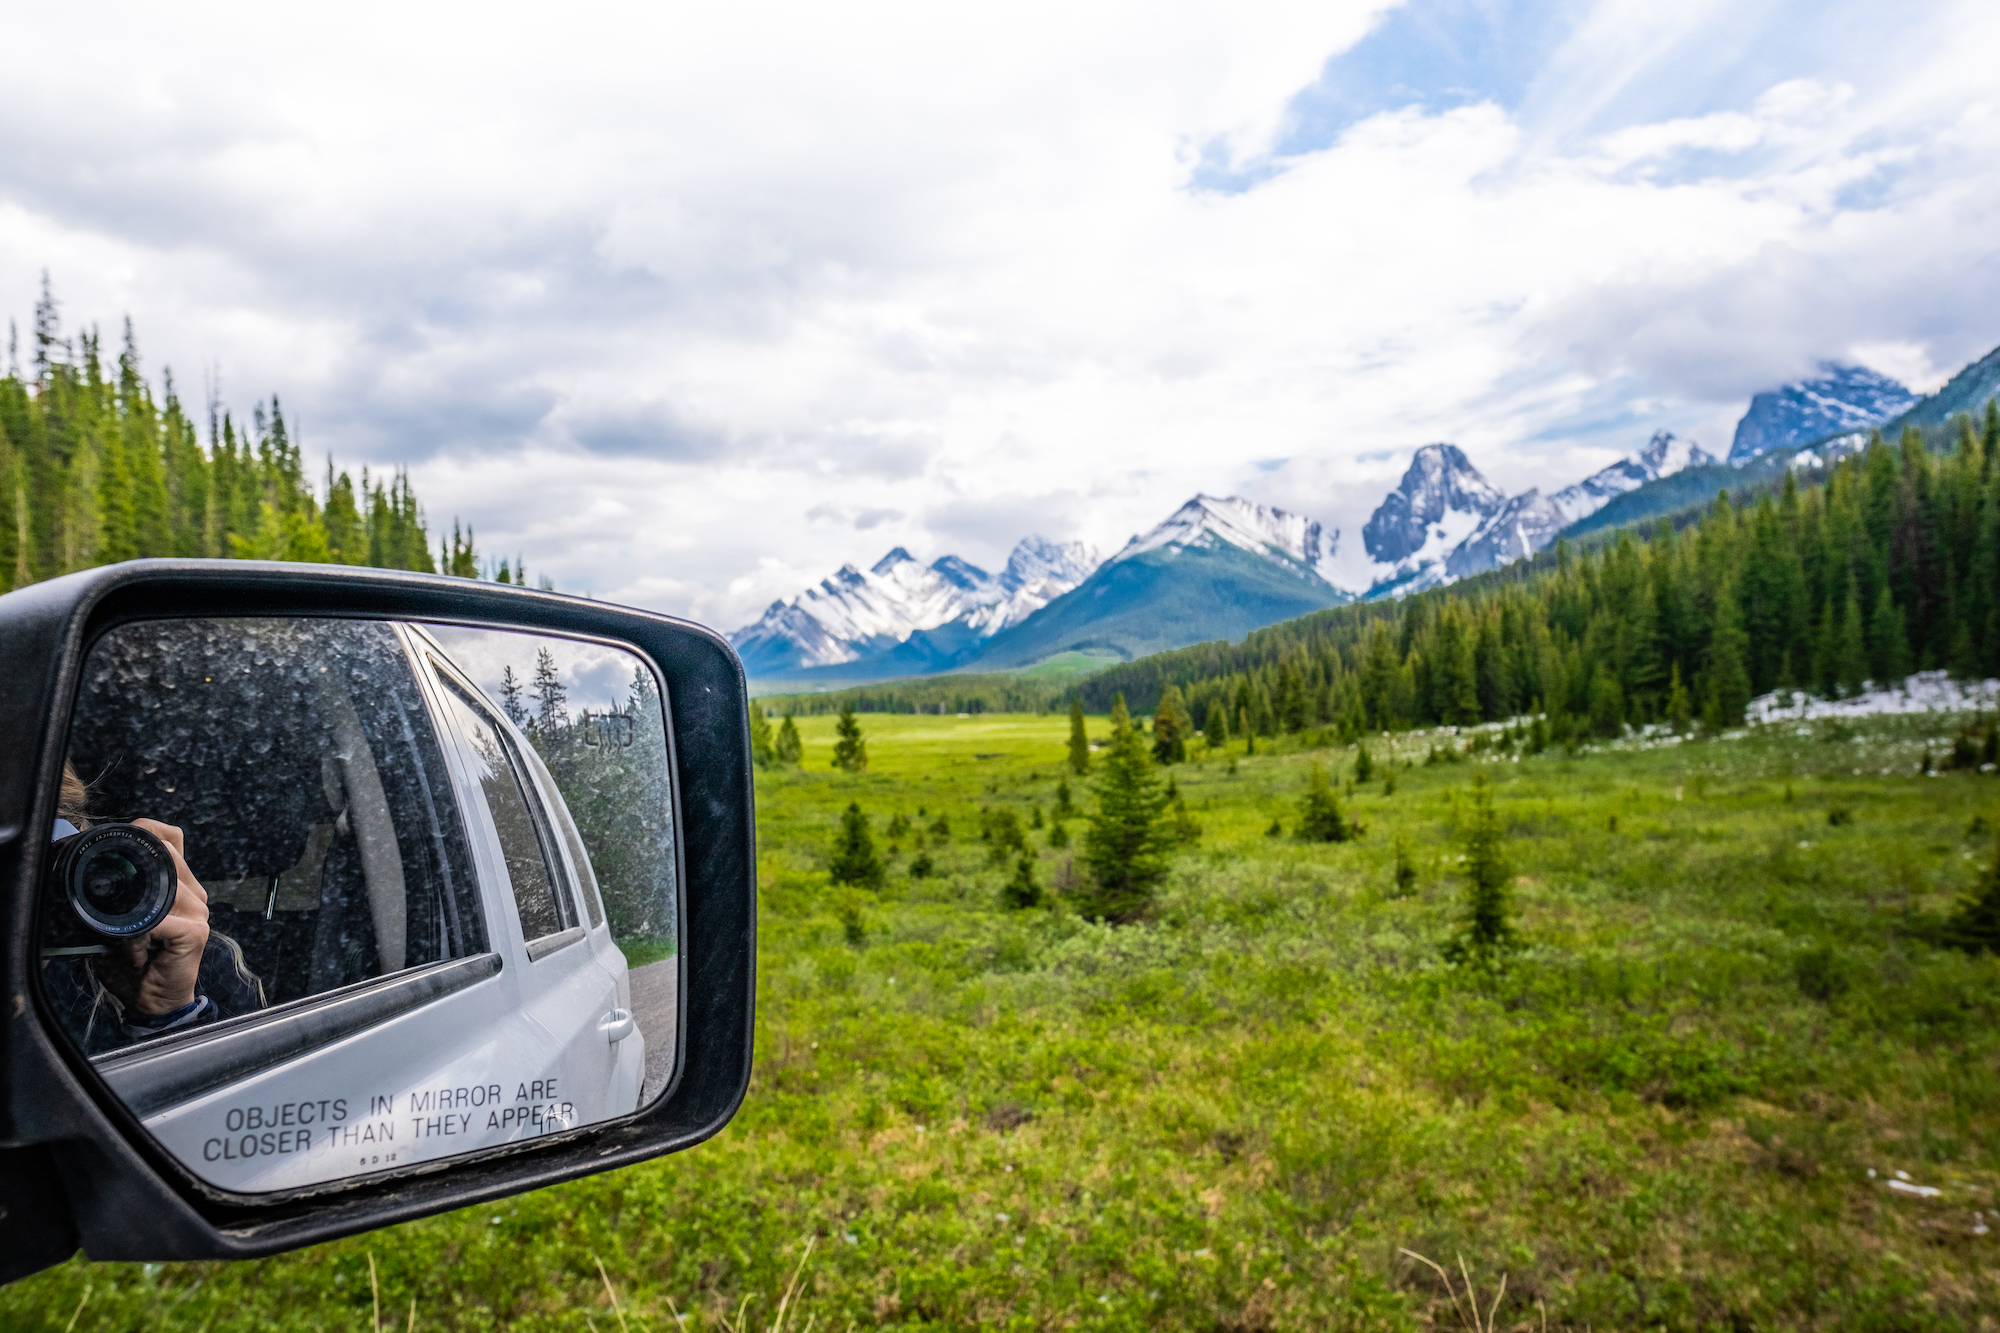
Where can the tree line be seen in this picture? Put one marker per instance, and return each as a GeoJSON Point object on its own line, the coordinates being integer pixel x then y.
{"type": "Point", "coordinates": [942, 695]}
{"type": "Point", "coordinates": [1888, 565]}
{"type": "Point", "coordinates": [97, 467]}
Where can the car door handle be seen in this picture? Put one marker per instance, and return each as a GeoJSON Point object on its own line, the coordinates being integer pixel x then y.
{"type": "Point", "coordinates": [616, 1025]}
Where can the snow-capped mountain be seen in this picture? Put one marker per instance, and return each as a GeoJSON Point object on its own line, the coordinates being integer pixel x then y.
{"type": "Point", "coordinates": [855, 614]}
{"type": "Point", "coordinates": [1038, 571]}
{"type": "Point", "coordinates": [1216, 568]}
{"type": "Point", "coordinates": [1439, 493]}
{"type": "Point", "coordinates": [1664, 455]}
{"type": "Point", "coordinates": [1406, 543]}
{"type": "Point", "coordinates": [1287, 540]}
{"type": "Point", "coordinates": [1529, 521]}
{"type": "Point", "coordinates": [1524, 525]}
{"type": "Point", "coordinates": [1842, 398]}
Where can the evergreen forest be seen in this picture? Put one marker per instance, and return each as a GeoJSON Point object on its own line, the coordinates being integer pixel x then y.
{"type": "Point", "coordinates": [97, 467]}
{"type": "Point", "coordinates": [1888, 564]}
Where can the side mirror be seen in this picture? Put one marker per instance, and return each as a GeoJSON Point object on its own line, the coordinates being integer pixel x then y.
{"type": "Point", "coordinates": [335, 898]}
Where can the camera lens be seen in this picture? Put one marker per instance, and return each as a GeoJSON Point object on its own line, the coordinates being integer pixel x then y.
{"type": "Point", "coordinates": [118, 879]}
{"type": "Point", "coordinates": [111, 884]}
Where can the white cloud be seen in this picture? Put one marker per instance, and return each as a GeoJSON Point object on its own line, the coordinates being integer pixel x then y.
{"type": "Point", "coordinates": [641, 291]}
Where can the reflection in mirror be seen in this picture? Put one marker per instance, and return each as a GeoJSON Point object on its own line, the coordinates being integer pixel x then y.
{"type": "Point", "coordinates": [334, 897]}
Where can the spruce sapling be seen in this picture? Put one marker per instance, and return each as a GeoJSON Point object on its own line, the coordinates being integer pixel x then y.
{"type": "Point", "coordinates": [1319, 811]}
{"type": "Point", "coordinates": [854, 860]}
{"type": "Point", "coordinates": [763, 752]}
{"type": "Point", "coordinates": [850, 752]}
{"type": "Point", "coordinates": [1126, 847]}
{"type": "Point", "coordinates": [1065, 809]}
{"type": "Point", "coordinates": [1485, 930]}
{"type": "Point", "coordinates": [1079, 740]}
{"type": "Point", "coordinates": [1022, 891]}
{"type": "Point", "coordinates": [790, 748]}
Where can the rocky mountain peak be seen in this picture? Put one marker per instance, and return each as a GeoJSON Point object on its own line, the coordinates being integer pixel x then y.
{"type": "Point", "coordinates": [1840, 398]}
{"type": "Point", "coordinates": [961, 573]}
{"type": "Point", "coordinates": [1441, 482]}
{"type": "Point", "coordinates": [1231, 520]}
{"type": "Point", "coordinates": [1035, 559]}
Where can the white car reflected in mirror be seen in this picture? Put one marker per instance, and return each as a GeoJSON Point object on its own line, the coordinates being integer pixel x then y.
{"type": "Point", "coordinates": [441, 884]}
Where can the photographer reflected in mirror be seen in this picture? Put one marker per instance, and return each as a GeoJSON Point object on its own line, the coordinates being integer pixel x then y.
{"type": "Point", "coordinates": [135, 957]}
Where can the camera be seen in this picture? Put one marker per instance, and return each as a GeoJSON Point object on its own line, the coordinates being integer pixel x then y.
{"type": "Point", "coordinates": [111, 882]}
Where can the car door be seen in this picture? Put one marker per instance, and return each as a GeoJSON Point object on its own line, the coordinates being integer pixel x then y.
{"type": "Point", "coordinates": [564, 988]}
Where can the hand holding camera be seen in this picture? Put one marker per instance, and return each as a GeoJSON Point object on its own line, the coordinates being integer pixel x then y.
{"type": "Point", "coordinates": [123, 893]}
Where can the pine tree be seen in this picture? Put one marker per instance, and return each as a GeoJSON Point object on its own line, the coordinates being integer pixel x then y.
{"type": "Point", "coordinates": [1607, 702]}
{"type": "Point", "coordinates": [1851, 647]}
{"type": "Point", "coordinates": [763, 752]}
{"type": "Point", "coordinates": [850, 752]}
{"type": "Point", "coordinates": [790, 748]}
{"type": "Point", "coordinates": [1249, 732]}
{"type": "Point", "coordinates": [551, 699]}
{"type": "Point", "coordinates": [1975, 926]}
{"type": "Point", "coordinates": [1889, 642]}
{"type": "Point", "coordinates": [1319, 811]}
{"type": "Point", "coordinates": [854, 861]}
{"type": "Point", "coordinates": [1218, 726]}
{"type": "Point", "coordinates": [1726, 679]}
{"type": "Point", "coordinates": [1364, 764]}
{"type": "Point", "coordinates": [1186, 828]}
{"type": "Point", "coordinates": [1171, 728]}
{"type": "Point", "coordinates": [1680, 709]}
{"type": "Point", "coordinates": [1485, 929]}
{"type": "Point", "coordinates": [1065, 807]}
{"type": "Point", "coordinates": [94, 468]}
{"type": "Point", "coordinates": [1079, 741]}
{"type": "Point", "coordinates": [510, 698]}
{"type": "Point", "coordinates": [1022, 891]}
{"type": "Point", "coordinates": [1127, 844]}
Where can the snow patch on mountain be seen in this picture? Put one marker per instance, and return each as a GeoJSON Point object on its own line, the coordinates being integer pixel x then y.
{"type": "Point", "coordinates": [1441, 502]}
{"type": "Point", "coordinates": [1285, 539]}
{"type": "Point", "coordinates": [1664, 455]}
{"type": "Point", "coordinates": [1530, 521]}
{"type": "Point", "coordinates": [1841, 398]}
{"type": "Point", "coordinates": [852, 614]}
{"type": "Point", "coordinates": [1038, 572]}
{"type": "Point", "coordinates": [1439, 488]}
{"type": "Point", "coordinates": [1521, 527]}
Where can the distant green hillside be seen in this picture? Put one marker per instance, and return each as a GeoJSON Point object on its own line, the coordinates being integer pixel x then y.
{"type": "Point", "coordinates": [1972, 391]}
{"type": "Point", "coordinates": [1161, 600]}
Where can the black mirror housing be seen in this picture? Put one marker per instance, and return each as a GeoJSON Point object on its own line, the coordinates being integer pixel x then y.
{"type": "Point", "coordinates": [76, 1166]}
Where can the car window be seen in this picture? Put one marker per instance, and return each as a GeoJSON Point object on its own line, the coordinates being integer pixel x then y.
{"type": "Point", "coordinates": [300, 763]}
{"type": "Point", "coordinates": [510, 800]}
{"type": "Point", "coordinates": [584, 886]}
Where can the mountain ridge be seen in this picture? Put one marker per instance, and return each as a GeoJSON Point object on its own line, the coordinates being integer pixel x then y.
{"type": "Point", "coordinates": [1217, 564]}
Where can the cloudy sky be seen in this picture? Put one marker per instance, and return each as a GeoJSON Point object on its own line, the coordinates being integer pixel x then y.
{"type": "Point", "coordinates": [691, 304]}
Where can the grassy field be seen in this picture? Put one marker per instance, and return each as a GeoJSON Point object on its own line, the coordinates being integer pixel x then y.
{"type": "Point", "coordinates": [1678, 1106]}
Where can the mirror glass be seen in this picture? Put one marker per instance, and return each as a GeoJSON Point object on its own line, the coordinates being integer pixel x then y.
{"type": "Point", "coordinates": [335, 897]}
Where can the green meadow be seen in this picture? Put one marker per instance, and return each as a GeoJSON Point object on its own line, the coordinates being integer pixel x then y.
{"type": "Point", "coordinates": [1271, 1104]}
